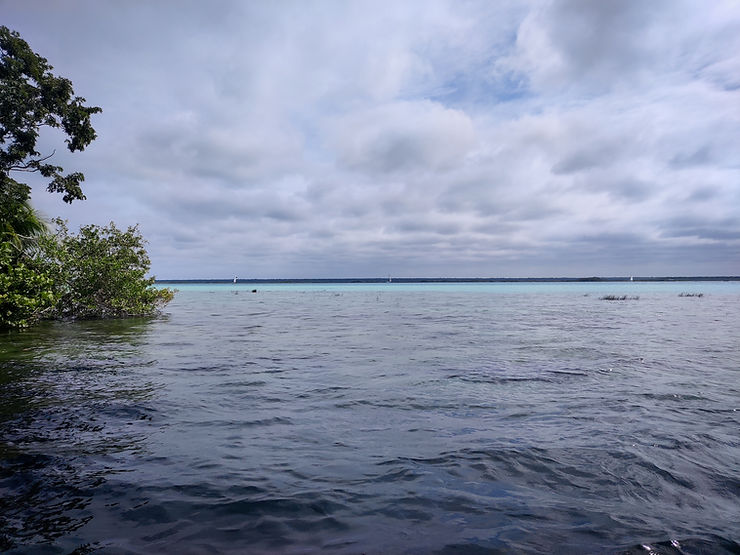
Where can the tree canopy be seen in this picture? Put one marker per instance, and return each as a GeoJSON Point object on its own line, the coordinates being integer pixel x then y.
{"type": "Point", "coordinates": [99, 273]}
{"type": "Point", "coordinates": [32, 97]}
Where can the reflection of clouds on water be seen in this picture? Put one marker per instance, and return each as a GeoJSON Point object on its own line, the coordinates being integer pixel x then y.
{"type": "Point", "coordinates": [73, 405]}
{"type": "Point", "coordinates": [503, 417]}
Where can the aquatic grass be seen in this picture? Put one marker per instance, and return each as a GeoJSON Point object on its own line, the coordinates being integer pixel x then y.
{"type": "Point", "coordinates": [691, 295]}
{"type": "Point", "coordinates": [619, 298]}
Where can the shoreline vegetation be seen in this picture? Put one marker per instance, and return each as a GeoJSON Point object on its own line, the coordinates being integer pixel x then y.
{"type": "Point", "coordinates": [46, 273]}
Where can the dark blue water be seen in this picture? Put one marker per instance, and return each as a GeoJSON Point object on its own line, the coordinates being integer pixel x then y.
{"type": "Point", "coordinates": [377, 419]}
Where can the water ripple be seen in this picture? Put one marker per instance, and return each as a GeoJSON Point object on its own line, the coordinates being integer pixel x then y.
{"type": "Point", "coordinates": [378, 422]}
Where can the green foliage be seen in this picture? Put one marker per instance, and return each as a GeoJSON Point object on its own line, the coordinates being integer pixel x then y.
{"type": "Point", "coordinates": [20, 224]}
{"type": "Point", "coordinates": [27, 293]}
{"type": "Point", "coordinates": [101, 273]}
{"type": "Point", "coordinates": [98, 273]}
{"type": "Point", "coordinates": [31, 97]}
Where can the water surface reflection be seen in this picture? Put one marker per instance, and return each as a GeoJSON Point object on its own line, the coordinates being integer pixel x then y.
{"type": "Point", "coordinates": [377, 422]}
{"type": "Point", "coordinates": [72, 407]}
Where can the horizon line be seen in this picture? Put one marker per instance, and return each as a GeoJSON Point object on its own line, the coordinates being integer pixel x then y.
{"type": "Point", "coordinates": [448, 279]}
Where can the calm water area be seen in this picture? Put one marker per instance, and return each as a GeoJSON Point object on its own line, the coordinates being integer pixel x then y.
{"type": "Point", "coordinates": [380, 418]}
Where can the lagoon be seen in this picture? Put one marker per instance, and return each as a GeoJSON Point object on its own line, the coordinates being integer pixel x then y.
{"type": "Point", "coordinates": [376, 418]}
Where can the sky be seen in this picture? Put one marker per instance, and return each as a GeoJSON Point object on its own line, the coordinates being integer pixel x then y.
{"type": "Point", "coordinates": [461, 138]}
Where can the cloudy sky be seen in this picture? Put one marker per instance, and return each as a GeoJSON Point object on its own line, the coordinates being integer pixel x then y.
{"type": "Point", "coordinates": [416, 138]}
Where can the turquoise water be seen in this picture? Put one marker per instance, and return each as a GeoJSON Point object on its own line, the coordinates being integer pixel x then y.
{"type": "Point", "coordinates": [380, 418]}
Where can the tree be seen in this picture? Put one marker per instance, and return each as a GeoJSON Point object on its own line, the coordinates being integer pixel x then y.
{"type": "Point", "coordinates": [20, 225]}
{"type": "Point", "coordinates": [99, 273]}
{"type": "Point", "coordinates": [26, 294]}
{"type": "Point", "coordinates": [32, 97]}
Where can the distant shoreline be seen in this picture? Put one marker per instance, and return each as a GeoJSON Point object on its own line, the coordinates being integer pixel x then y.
{"type": "Point", "coordinates": [453, 280]}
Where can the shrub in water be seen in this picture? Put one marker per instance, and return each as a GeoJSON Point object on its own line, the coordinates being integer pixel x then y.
{"type": "Point", "coordinates": [101, 273]}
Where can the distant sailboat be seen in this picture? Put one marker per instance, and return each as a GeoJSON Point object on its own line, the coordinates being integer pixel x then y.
{"type": "Point", "coordinates": [632, 279]}
{"type": "Point", "coordinates": [234, 279]}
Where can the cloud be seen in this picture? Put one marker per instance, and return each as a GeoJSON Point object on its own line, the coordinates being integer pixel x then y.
{"type": "Point", "coordinates": [403, 136]}
{"type": "Point", "coordinates": [598, 45]}
{"type": "Point", "coordinates": [415, 138]}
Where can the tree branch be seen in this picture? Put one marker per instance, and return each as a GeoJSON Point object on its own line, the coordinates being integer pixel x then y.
{"type": "Point", "coordinates": [32, 165]}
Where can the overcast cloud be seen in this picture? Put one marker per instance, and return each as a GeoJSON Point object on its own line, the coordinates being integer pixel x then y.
{"type": "Point", "coordinates": [415, 138]}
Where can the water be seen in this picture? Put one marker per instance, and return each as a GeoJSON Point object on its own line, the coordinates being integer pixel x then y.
{"type": "Point", "coordinates": [377, 418]}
